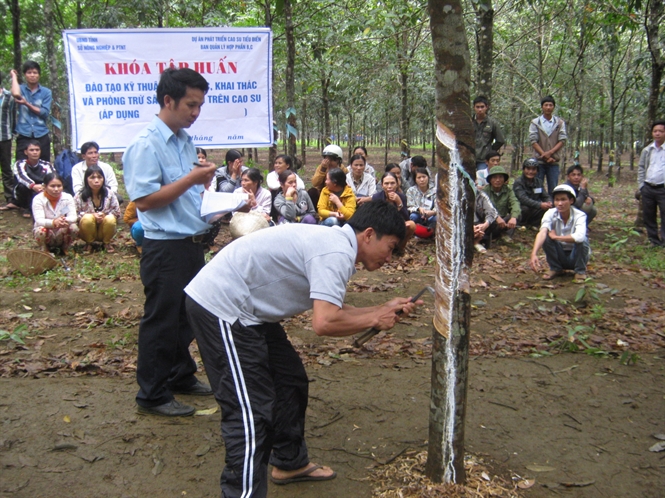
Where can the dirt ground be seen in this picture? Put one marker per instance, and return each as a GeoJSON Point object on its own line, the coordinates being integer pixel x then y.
{"type": "Point", "coordinates": [579, 424]}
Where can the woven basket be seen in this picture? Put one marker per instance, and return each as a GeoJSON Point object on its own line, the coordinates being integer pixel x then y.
{"type": "Point", "coordinates": [30, 262]}
{"type": "Point", "coordinates": [246, 223]}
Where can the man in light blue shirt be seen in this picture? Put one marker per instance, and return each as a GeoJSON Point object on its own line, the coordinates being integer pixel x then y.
{"type": "Point", "coordinates": [34, 109]}
{"type": "Point", "coordinates": [166, 187]}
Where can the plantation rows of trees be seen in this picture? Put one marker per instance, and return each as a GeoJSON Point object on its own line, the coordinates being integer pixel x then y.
{"type": "Point", "coordinates": [364, 70]}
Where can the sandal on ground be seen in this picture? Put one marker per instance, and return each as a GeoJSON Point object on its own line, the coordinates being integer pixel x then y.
{"type": "Point", "coordinates": [87, 249]}
{"type": "Point", "coordinates": [110, 249]}
{"type": "Point", "coordinates": [26, 214]}
{"type": "Point", "coordinates": [551, 274]}
{"type": "Point", "coordinates": [305, 475]}
{"type": "Point", "coordinates": [8, 206]}
{"type": "Point", "coordinates": [579, 278]}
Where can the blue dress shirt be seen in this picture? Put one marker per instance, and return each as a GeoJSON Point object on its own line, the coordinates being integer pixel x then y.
{"type": "Point", "coordinates": [157, 157]}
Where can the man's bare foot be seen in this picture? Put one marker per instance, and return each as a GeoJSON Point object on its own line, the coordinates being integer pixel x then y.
{"type": "Point", "coordinates": [310, 472]}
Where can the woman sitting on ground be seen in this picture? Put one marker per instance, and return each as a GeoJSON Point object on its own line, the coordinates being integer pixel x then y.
{"type": "Point", "coordinates": [421, 203]}
{"type": "Point", "coordinates": [395, 170]}
{"type": "Point", "coordinates": [260, 200]}
{"type": "Point", "coordinates": [362, 183]}
{"type": "Point", "coordinates": [131, 219]}
{"type": "Point", "coordinates": [55, 216]}
{"type": "Point", "coordinates": [98, 210]}
{"type": "Point", "coordinates": [389, 193]}
{"type": "Point", "coordinates": [337, 202]}
{"type": "Point", "coordinates": [282, 163]}
{"type": "Point", "coordinates": [293, 203]}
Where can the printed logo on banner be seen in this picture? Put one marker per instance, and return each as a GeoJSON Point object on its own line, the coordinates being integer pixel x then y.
{"type": "Point", "coordinates": [113, 76]}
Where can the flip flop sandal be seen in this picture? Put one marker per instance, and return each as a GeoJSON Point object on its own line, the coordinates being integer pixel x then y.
{"type": "Point", "coordinates": [305, 475]}
{"type": "Point", "coordinates": [550, 275]}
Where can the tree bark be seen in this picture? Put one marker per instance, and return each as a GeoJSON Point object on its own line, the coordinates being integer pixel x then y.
{"type": "Point", "coordinates": [484, 46]}
{"type": "Point", "coordinates": [455, 202]}
{"type": "Point", "coordinates": [15, 10]}
{"type": "Point", "coordinates": [290, 79]}
{"type": "Point", "coordinates": [654, 16]}
{"type": "Point", "coordinates": [56, 136]}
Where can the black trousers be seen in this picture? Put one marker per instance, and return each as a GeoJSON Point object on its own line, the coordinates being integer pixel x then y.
{"type": "Point", "coordinates": [164, 362]}
{"type": "Point", "coordinates": [44, 143]}
{"type": "Point", "coordinates": [653, 199]}
{"type": "Point", "coordinates": [262, 387]}
{"type": "Point", "coordinates": [23, 196]}
{"type": "Point", "coordinates": [6, 166]}
{"type": "Point", "coordinates": [531, 217]}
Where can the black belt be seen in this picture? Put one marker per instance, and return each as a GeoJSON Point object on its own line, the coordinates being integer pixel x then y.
{"type": "Point", "coordinates": [661, 185]}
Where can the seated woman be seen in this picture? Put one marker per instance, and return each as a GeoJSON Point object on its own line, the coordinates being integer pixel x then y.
{"type": "Point", "coordinates": [98, 210]}
{"type": "Point", "coordinates": [420, 201]}
{"type": "Point", "coordinates": [293, 204]}
{"type": "Point", "coordinates": [337, 203]}
{"type": "Point", "coordinates": [395, 170]}
{"type": "Point", "coordinates": [228, 177]}
{"type": "Point", "coordinates": [260, 200]}
{"type": "Point", "coordinates": [362, 183]}
{"type": "Point", "coordinates": [55, 216]}
{"type": "Point", "coordinates": [282, 163]}
{"type": "Point", "coordinates": [131, 219]}
{"type": "Point", "coordinates": [390, 194]}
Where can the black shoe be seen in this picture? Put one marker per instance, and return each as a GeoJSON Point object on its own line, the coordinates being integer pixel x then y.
{"type": "Point", "coordinates": [170, 409]}
{"type": "Point", "coordinates": [198, 389]}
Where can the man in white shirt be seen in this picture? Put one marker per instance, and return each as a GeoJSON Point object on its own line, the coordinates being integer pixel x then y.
{"type": "Point", "coordinates": [90, 154]}
{"type": "Point", "coordinates": [651, 184]}
{"type": "Point", "coordinates": [563, 237]}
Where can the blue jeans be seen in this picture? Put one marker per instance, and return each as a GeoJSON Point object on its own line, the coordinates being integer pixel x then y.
{"type": "Point", "coordinates": [332, 222]}
{"type": "Point", "coordinates": [137, 233]}
{"type": "Point", "coordinates": [428, 222]}
{"type": "Point", "coordinates": [551, 171]}
{"type": "Point", "coordinates": [559, 259]}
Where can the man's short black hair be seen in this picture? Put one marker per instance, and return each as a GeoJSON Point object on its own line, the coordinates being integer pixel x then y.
{"type": "Point", "coordinates": [32, 142]}
{"type": "Point", "coordinates": [660, 122]}
{"type": "Point", "coordinates": [87, 146]}
{"type": "Point", "coordinates": [491, 154]}
{"type": "Point", "coordinates": [547, 98]}
{"type": "Point", "coordinates": [174, 83]}
{"type": "Point", "coordinates": [418, 162]}
{"type": "Point", "coordinates": [574, 167]}
{"type": "Point", "coordinates": [27, 65]}
{"type": "Point", "coordinates": [381, 216]}
{"type": "Point", "coordinates": [481, 99]}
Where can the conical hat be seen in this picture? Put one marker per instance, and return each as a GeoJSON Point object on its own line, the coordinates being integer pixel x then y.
{"type": "Point", "coordinates": [30, 262]}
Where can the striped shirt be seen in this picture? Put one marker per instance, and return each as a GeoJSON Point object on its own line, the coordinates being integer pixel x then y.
{"type": "Point", "coordinates": [7, 115]}
{"type": "Point", "coordinates": [29, 175]}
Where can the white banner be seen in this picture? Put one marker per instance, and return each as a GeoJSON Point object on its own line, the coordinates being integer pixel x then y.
{"type": "Point", "coordinates": [113, 76]}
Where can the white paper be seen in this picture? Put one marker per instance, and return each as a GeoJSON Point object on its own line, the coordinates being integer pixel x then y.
{"type": "Point", "coordinates": [219, 203]}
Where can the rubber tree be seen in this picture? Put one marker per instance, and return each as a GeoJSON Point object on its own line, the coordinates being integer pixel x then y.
{"type": "Point", "coordinates": [454, 240]}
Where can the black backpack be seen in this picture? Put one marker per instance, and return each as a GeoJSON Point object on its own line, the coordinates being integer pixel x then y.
{"type": "Point", "coordinates": [64, 163]}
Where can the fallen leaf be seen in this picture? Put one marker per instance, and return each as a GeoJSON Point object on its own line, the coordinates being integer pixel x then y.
{"type": "Point", "coordinates": [540, 468]}
{"type": "Point", "coordinates": [659, 436]}
{"type": "Point", "coordinates": [207, 411]}
{"type": "Point", "coordinates": [485, 476]}
{"type": "Point", "coordinates": [202, 450]}
{"type": "Point", "coordinates": [577, 484]}
{"type": "Point", "coordinates": [66, 419]}
{"type": "Point", "coordinates": [526, 483]}
{"type": "Point", "coordinates": [658, 447]}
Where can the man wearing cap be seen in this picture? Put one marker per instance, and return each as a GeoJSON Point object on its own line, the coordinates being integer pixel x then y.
{"type": "Point", "coordinates": [503, 199]}
{"type": "Point", "coordinates": [533, 198]}
{"type": "Point", "coordinates": [332, 158]}
{"type": "Point", "coordinates": [651, 184]}
{"type": "Point", "coordinates": [563, 237]}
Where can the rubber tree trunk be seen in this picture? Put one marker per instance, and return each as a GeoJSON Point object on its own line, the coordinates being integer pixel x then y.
{"type": "Point", "coordinates": [454, 238]}
{"type": "Point", "coordinates": [51, 47]}
{"type": "Point", "coordinates": [15, 10]}
{"type": "Point", "coordinates": [484, 46]}
{"type": "Point", "coordinates": [654, 17]}
{"type": "Point", "coordinates": [290, 80]}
